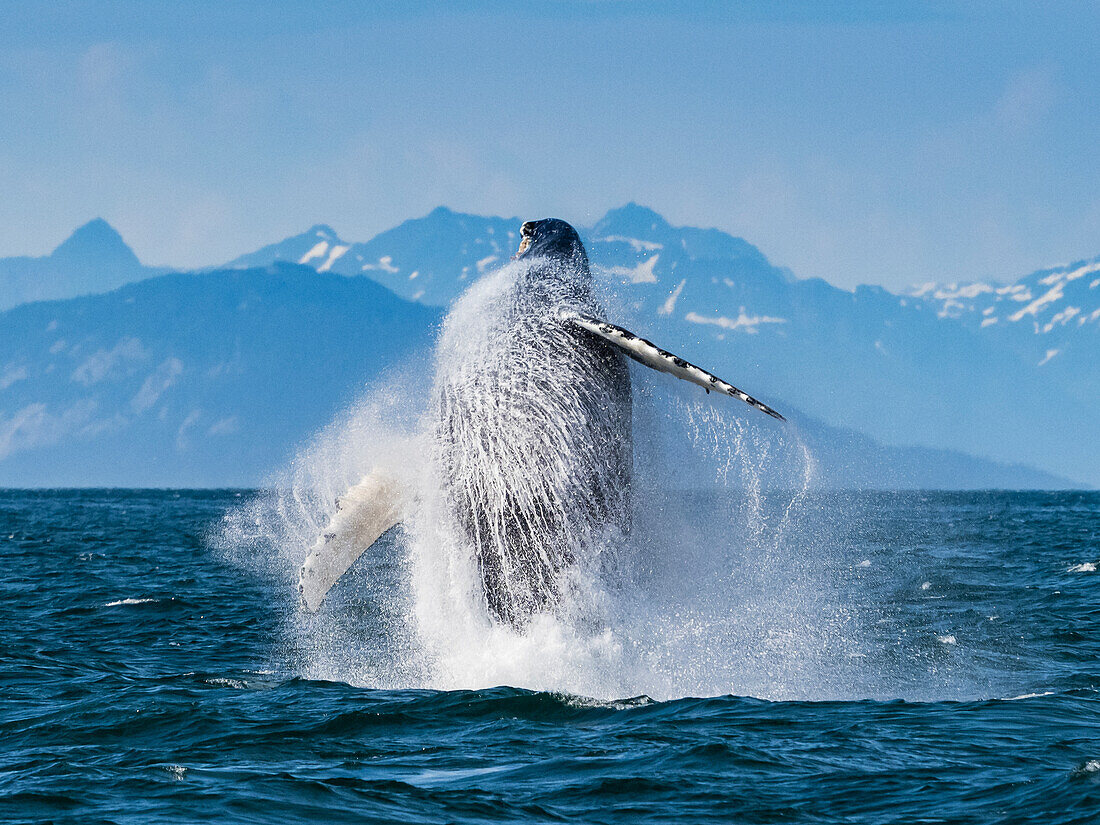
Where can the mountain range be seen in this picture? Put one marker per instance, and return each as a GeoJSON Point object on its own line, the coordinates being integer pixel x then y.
{"type": "Point", "coordinates": [191, 379]}
{"type": "Point", "coordinates": [213, 377]}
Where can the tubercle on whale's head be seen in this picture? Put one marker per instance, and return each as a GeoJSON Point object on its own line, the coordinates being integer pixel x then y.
{"type": "Point", "coordinates": [551, 237]}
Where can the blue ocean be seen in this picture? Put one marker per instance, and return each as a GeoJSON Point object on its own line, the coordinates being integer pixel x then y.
{"type": "Point", "coordinates": [908, 657]}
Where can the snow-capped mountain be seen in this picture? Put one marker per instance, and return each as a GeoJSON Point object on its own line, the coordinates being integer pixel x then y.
{"type": "Point", "coordinates": [1051, 318]}
{"type": "Point", "coordinates": [898, 367]}
{"type": "Point", "coordinates": [429, 260]}
{"type": "Point", "coordinates": [214, 378]}
{"type": "Point", "coordinates": [893, 366]}
{"type": "Point", "coordinates": [1051, 301]}
{"type": "Point", "coordinates": [1010, 374]}
{"type": "Point", "coordinates": [318, 247]}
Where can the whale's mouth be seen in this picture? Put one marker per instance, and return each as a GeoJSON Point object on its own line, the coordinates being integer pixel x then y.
{"type": "Point", "coordinates": [527, 235]}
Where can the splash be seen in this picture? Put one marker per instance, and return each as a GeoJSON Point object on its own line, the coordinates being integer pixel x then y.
{"type": "Point", "coordinates": [714, 590]}
{"type": "Point", "coordinates": [534, 437]}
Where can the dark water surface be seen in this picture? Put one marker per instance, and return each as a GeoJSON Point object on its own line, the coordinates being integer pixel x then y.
{"type": "Point", "coordinates": [146, 679]}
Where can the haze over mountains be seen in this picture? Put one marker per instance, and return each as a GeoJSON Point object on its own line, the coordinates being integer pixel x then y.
{"type": "Point", "coordinates": [212, 378]}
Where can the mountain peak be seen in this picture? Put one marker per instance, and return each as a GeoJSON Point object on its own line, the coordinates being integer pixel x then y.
{"type": "Point", "coordinates": [98, 243]}
{"type": "Point", "coordinates": [324, 232]}
{"type": "Point", "coordinates": [631, 220]}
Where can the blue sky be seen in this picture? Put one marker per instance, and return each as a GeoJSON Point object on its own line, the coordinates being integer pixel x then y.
{"type": "Point", "coordinates": [861, 142]}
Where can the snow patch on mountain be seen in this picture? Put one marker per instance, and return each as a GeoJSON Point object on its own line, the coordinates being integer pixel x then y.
{"type": "Point", "coordinates": [316, 251]}
{"type": "Point", "coordinates": [334, 255]}
{"type": "Point", "coordinates": [384, 264]}
{"type": "Point", "coordinates": [163, 377]}
{"type": "Point", "coordinates": [636, 244]}
{"type": "Point", "coordinates": [670, 303]}
{"type": "Point", "coordinates": [1051, 299]}
{"type": "Point", "coordinates": [744, 322]}
{"type": "Point", "coordinates": [643, 273]}
{"type": "Point", "coordinates": [1053, 294]}
{"type": "Point", "coordinates": [224, 426]}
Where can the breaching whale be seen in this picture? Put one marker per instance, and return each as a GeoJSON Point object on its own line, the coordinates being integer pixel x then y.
{"type": "Point", "coordinates": [530, 431]}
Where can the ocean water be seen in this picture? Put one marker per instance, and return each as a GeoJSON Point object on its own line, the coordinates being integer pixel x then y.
{"type": "Point", "coordinates": [859, 658]}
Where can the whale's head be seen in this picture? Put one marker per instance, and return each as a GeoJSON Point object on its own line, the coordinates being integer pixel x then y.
{"type": "Point", "coordinates": [552, 238]}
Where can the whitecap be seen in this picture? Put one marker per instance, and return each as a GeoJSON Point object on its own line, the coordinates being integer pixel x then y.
{"type": "Point", "coordinates": [236, 684]}
{"type": "Point", "coordinates": [130, 601]}
{"type": "Point", "coordinates": [575, 701]}
{"type": "Point", "coordinates": [948, 640]}
{"type": "Point", "coordinates": [1086, 567]}
{"type": "Point", "coordinates": [1087, 768]}
{"type": "Point", "coordinates": [1030, 695]}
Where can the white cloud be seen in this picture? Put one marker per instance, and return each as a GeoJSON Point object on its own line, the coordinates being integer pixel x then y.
{"type": "Point", "coordinates": [189, 422]}
{"type": "Point", "coordinates": [11, 374]}
{"type": "Point", "coordinates": [102, 362]}
{"type": "Point", "coordinates": [1026, 99]}
{"type": "Point", "coordinates": [35, 426]}
{"type": "Point", "coordinates": [163, 377]}
{"type": "Point", "coordinates": [226, 426]}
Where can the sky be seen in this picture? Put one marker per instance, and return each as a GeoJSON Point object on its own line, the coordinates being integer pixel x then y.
{"type": "Point", "coordinates": [861, 142]}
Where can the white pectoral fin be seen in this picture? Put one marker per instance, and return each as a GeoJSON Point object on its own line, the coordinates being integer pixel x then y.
{"type": "Point", "coordinates": [648, 353]}
{"type": "Point", "coordinates": [366, 511]}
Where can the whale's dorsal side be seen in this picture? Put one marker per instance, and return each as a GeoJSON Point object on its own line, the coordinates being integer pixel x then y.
{"type": "Point", "coordinates": [647, 353]}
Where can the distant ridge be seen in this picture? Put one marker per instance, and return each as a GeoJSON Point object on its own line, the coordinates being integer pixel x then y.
{"type": "Point", "coordinates": [1006, 372]}
{"type": "Point", "coordinates": [98, 244]}
{"type": "Point", "coordinates": [191, 379]}
{"type": "Point", "coordinates": [315, 247]}
{"type": "Point", "coordinates": [93, 259]}
{"type": "Point", "coordinates": [213, 379]}
{"type": "Point", "coordinates": [918, 370]}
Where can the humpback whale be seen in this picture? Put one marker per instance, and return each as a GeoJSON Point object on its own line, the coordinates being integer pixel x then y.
{"type": "Point", "coordinates": [530, 427]}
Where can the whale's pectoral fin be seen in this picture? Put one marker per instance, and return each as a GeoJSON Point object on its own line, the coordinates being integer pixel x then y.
{"type": "Point", "coordinates": [366, 511]}
{"type": "Point", "coordinates": [648, 353]}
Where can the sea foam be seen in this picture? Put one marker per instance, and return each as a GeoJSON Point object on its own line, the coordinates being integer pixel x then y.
{"type": "Point", "coordinates": [720, 587]}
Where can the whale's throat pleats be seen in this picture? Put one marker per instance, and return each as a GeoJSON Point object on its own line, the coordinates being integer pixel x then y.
{"type": "Point", "coordinates": [535, 455]}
